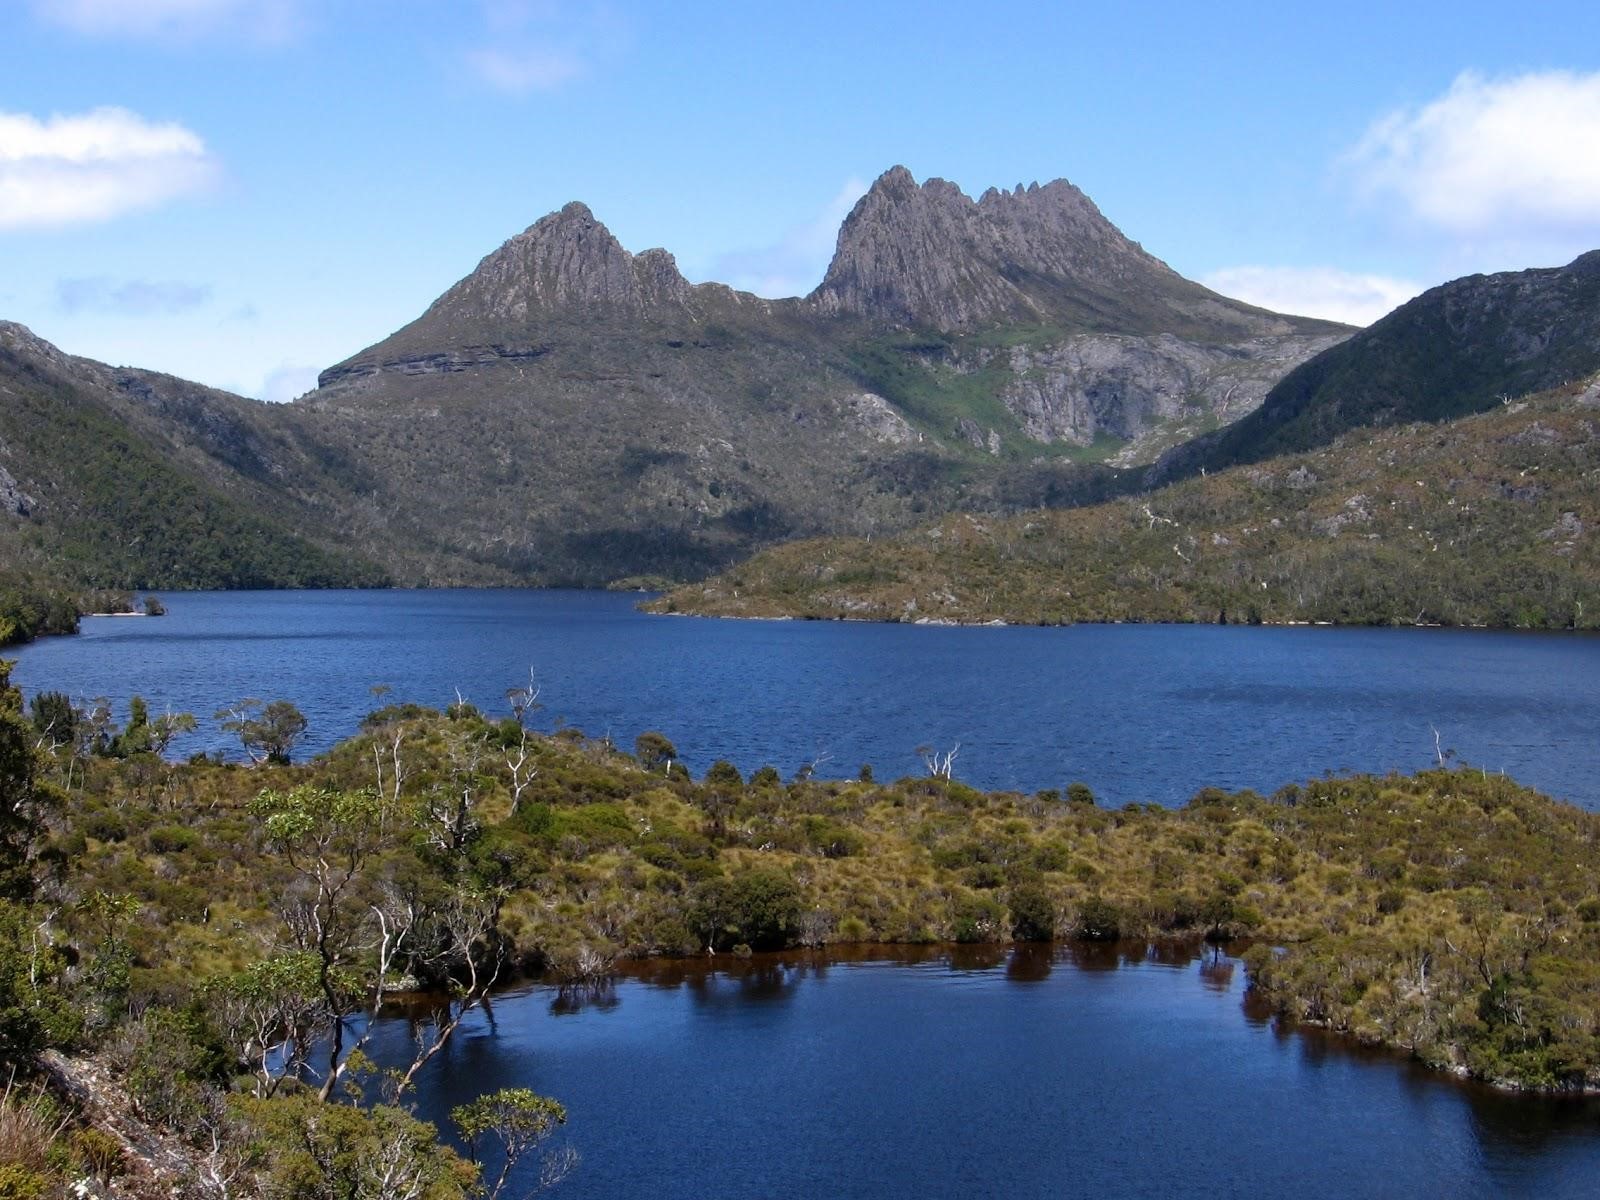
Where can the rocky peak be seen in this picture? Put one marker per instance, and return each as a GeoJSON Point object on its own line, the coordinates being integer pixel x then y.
{"type": "Point", "coordinates": [565, 261]}
{"type": "Point", "coordinates": [21, 341]}
{"type": "Point", "coordinates": [930, 255]}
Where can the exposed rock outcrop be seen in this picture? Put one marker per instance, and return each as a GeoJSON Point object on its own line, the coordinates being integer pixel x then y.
{"type": "Point", "coordinates": [930, 256]}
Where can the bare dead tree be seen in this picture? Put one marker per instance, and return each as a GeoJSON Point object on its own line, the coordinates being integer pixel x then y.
{"type": "Point", "coordinates": [524, 699]}
{"type": "Point", "coordinates": [463, 947]}
{"type": "Point", "coordinates": [939, 765]}
{"type": "Point", "coordinates": [522, 768]}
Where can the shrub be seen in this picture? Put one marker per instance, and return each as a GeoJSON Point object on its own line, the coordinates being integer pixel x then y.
{"type": "Point", "coordinates": [105, 825]}
{"type": "Point", "coordinates": [17, 1182]}
{"type": "Point", "coordinates": [977, 919]}
{"type": "Point", "coordinates": [170, 839]}
{"type": "Point", "coordinates": [724, 774]}
{"type": "Point", "coordinates": [759, 908]}
{"type": "Point", "coordinates": [1033, 913]}
{"type": "Point", "coordinates": [1098, 921]}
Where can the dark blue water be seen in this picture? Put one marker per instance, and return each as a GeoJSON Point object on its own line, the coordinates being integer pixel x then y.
{"type": "Point", "coordinates": [1138, 712]}
{"type": "Point", "coordinates": [1073, 1072]}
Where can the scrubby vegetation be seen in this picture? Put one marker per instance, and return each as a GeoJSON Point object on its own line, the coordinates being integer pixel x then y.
{"type": "Point", "coordinates": [197, 930]}
{"type": "Point", "coordinates": [1490, 520]}
{"type": "Point", "coordinates": [29, 610]}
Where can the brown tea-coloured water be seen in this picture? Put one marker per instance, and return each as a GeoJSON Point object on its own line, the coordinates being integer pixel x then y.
{"type": "Point", "coordinates": [1094, 1071]}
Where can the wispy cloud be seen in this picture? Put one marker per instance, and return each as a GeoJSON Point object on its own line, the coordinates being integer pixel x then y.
{"type": "Point", "coordinates": [286, 383]}
{"type": "Point", "coordinates": [1325, 292]}
{"type": "Point", "coordinates": [267, 21]}
{"type": "Point", "coordinates": [1509, 158]}
{"type": "Point", "coordinates": [542, 45]}
{"type": "Point", "coordinates": [524, 70]}
{"type": "Point", "coordinates": [68, 170]}
{"type": "Point", "coordinates": [130, 298]}
{"type": "Point", "coordinates": [795, 263]}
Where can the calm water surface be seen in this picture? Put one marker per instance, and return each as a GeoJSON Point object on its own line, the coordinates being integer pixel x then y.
{"type": "Point", "coordinates": [1067, 1073]}
{"type": "Point", "coordinates": [1098, 1072]}
{"type": "Point", "coordinates": [1138, 712]}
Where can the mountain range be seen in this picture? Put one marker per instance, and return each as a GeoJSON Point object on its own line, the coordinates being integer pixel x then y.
{"type": "Point", "coordinates": [573, 413]}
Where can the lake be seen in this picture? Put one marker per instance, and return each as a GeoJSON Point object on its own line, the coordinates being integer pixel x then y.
{"type": "Point", "coordinates": [1072, 1071]}
{"type": "Point", "coordinates": [1140, 713]}
{"type": "Point", "coordinates": [1094, 1071]}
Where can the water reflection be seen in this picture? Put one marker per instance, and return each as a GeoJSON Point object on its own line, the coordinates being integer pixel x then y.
{"type": "Point", "coordinates": [573, 998]}
{"type": "Point", "coordinates": [907, 1071]}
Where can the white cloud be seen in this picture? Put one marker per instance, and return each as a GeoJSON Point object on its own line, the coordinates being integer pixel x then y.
{"type": "Point", "coordinates": [1507, 157]}
{"type": "Point", "coordinates": [70, 170]}
{"type": "Point", "coordinates": [130, 298]}
{"type": "Point", "coordinates": [542, 45]}
{"type": "Point", "coordinates": [794, 264]}
{"type": "Point", "coordinates": [530, 69]}
{"type": "Point", "coordinates": [1323, 292]}
{"type": "Point", "coordinates": [287, 383]}
{"type": "Point", "coordinates": [269, 21]}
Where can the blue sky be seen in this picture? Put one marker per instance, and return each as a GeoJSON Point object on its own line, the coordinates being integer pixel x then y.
{"type": "Point", "coordinates": [245, 191]}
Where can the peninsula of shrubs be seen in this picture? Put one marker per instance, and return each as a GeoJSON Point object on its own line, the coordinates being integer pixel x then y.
{"type": "Point", "coordinates": [198, 930]}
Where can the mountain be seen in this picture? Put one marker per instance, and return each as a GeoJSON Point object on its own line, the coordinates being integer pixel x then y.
{"type": "Point", "coordinates": [930, 257]}
{"type": "Point", "coordinates": [1492, 519]}
{"type": "Point", "coordinates": [572, 412]}
{"type": "Point", "coordinates": [1461, 348]}
{"type": "Point", "coordinates": [119, 478]}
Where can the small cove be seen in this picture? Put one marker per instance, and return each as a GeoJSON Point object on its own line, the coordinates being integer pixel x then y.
{"type": "Point", "coordinates": [1073, 1070]}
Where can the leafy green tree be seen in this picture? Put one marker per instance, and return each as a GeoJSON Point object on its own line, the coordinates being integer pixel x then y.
{"type": "Point", "coordinates": [759, 908]}
{"type": "Point", "coordinates": [328, 839]}
{"type": "Point", "coordinates": [517, 1122]}
{"type": "Point", "coordinates": [268, 732]}
{"type": "Point", "coordinates": [54, 718]}
{"type": "Point", "coordinates": [654, 751]}
{"type": "Point", "coordinates": [313, 1151]}
{"type": "Point", "coordinates": [22, 797]}
{"type": "Point", "coordinates": [1098, 920]}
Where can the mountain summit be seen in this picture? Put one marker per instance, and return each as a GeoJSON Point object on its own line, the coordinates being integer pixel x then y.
{"type": "Point", "coordinates": [929, 256]}
{"type": "Point", "coordinates": [566, 261]}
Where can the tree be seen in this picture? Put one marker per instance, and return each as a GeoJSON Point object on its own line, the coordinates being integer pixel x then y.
{"type": "Point", "coordinates": [313, 1151]}
{"type": "Point", "coordinates": [268, 732]}
{"type": "Point", "coordinates": [327, 839]}
{"type": "Point", "coordinates": [21, 797]}
{"type": "Point", "coordinates": [940, 765]}
{"type": "Point", "coordinates": [759, 908]}
{"type": "Point", "coordinates": [519, 1121]}
{"type": "Point", "coordinates": [54, 719]}
{"type": "Point", "coordinates": [654, 751]}
{"type": "Point", "coordinates": [270, 1014]}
